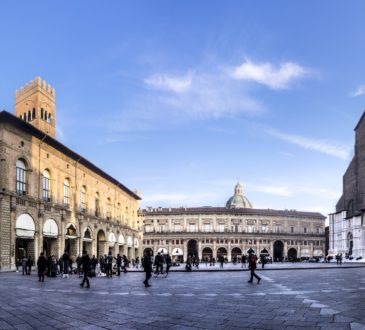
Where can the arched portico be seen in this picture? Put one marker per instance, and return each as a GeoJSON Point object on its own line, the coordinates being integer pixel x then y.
{"type": "Point", "coordinates": [100, 243]}
{"type": "Point", "coordinates": [278, 251]}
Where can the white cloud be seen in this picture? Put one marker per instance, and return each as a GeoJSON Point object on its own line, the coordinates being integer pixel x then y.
{"type": "Point", "coordinates": [273, 190]}
{"type": "Point", "coordinates": [359, 91]}
{"type": "Point", "coordinates": [265, 73]}
{"type": "Point", "coordinates": [179, 199]}
{"type": "Point", "coordinates": [169, 83]}
{"type": "Point", "coordinates": [324, 147]}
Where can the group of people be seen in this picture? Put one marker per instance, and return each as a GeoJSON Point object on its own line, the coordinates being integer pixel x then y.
{"type": "Point", "coordinates": [26, 263]}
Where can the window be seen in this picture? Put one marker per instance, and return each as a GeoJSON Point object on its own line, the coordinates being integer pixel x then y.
{"type": "Point", "coordinates": [42, 112]}
{"type": "Point", "coordinates": [250, 228]}
{"type": "Point", "coordinates": [207, 227]}
{"type": "Point", "coordinates": [29, 116]}
{"type": "Point", "coordinates": [108, 208]}
{"type": "Point", "coordinates": [305, 230]}
{"type": "Point", "coordinates": [317, 230]}
{"type": "Point", "coordinates": [66, 193]}
{"type": "Point", "coordinates": [292, 230]}
{"type": "Point", "coordinates": [221, 227]}
{"type": "Point", "coordinates": [162, 228]}
{"type": "Point", "coordinates": [20, 177]}
{"type": "Point", "coordinates": [264, 228]}
{"type": "Point", "coordinates": [33, 113]}
{"type": "Point", "coordinates": [177, 227]}
{"type": "Point", "coordinates": [46, 194]}
{"type": "Point", "coordinates": [277, 228]}
{"type": "Point", "coordinates": [192, 227]}
{"type": "Point", "coordinates": [147, 228]}
{"type": "Point", "coordinates": [97, 205]}
{"type": "Point", "coordinates": [83, 199]}
{"type": "Point", "coordinates": [49, 118]}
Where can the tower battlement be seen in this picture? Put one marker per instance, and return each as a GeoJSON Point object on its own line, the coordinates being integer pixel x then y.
{"type": "Point", "coordinates": [33, 85]}
{"type": "Point", "coordinates": [35, 103]}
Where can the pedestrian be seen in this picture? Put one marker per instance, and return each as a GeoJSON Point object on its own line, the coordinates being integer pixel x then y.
{"type": "Point", "coordinates": [340, 257]}
{"type": "Point", "coordinates": [147, 266]}
{"type": "Point", "coordinates": [29, 265]}
{"type": "Point", "coordinates": [168, 263]}
{"type": "Point", "coordinates": [119, 263]}
{"type": "Point", "coordinates": [86, 267]}
{"type": "Point", "coordinates": [78, 265]}
{"type": "Point", "coordinates": [65, 264]}
{"type": "Point", "coordinates": [24, 265]}
{"type": "Point", "coordinates": [94, 262]}
{"type": "Point", "coordinates": [262, 259]}
{"type": "Point", "coordinates": [125, 263]}
{"type": "Point", "coordinates": [243, 261]}
{"type": "Point", "coordinates": [221, 261]}
{"type": "Point", "coordinates": [109, 265]}
{"type": "Point", "coordinates": [42, 267]}
{"type": "Point", "coordinates": [252, 260]}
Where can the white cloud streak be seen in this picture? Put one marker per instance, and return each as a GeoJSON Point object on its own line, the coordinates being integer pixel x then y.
{"type": "Point", "coordinates": [169, 83]}
{"type": "Point", "coordinates": [266, 74]}
{"type": "Point", "coordinates": [339, 151]}
{"type": "Point", "coordinates": [359, 91]}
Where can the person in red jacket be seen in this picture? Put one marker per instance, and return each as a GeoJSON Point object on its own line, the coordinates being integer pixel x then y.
{"type": "Point", "coordinates": [252, 260]}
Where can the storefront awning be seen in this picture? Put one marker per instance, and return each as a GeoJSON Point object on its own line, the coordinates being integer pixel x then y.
{"type": "Point", "coordinates": [304, 253]}
{"type": "Point", "coordinates": [162, 250]}
{"type": "Point", "coordinates": [111, 239]}
{"type": "Point", "coordinates": [50, 229]}
{"type": "Point", "coordinates": [317, 253]}
{"type": "Point", "coordinates": [177, 252]}
{"type": "Point", "coordinates": [70, 237]}
{"type": "Point", "coordinates": [136, 243]}
{"type": "Point", "coordinates": [129, 241]}
{"type": "Point", "coordinates": [25, 227]}
{"type": "Point", "coordinates": [121, 240]}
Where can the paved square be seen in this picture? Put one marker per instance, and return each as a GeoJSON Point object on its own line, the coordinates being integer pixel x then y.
{"type": "Point", "coordinates": [285, 299]}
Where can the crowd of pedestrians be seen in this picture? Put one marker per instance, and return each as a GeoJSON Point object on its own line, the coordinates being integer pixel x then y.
{"type": "Point", "coordinates": [86, 266]}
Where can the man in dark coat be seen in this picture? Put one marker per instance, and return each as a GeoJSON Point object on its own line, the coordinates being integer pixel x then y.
{"type": "Point", "coordinates": [86, 267]}
{"type": "Point", "coordinates": [147, 266]}
{"type": "Point", "coordinates": [119, 263]}
{"type": "Point", "coordinates": [29, 265]}
{"type": "Point", "coordinates": [65, 264]}
{"type": "Point", "coordinates": [42, 267]}
{"type": "Point", "coordinates": [109, 265]}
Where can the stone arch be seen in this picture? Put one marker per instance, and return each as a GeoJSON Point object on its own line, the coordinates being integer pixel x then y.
{"type": "Point", "coordinates": [207, 253]}
{"type": "Point", "coordinates": [236, 253]}
{"type": "Point", "coordinates": [100, 243]}
{"type": "Point", "coordinates": [278, 250]}
{"type": "Point", "coordinates": [192, 248]}
{"type": "Point", "coordinates": [222, 252]}
{"type": "Point", "coordinates": [292, 254]}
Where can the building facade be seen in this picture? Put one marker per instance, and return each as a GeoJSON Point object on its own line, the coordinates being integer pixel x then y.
{"type": "Point", "coordinates": [51, 198]}
{"type": "Point", "coordinates": [233, 230]}
{"type": "Point", "coordinates": [347, 224]}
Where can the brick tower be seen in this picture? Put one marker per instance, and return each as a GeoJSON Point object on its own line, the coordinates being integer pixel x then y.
{"type": "Point", "coordinates": [35, 103]}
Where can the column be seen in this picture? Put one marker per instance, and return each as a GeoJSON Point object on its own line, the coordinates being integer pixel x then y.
{"type": "Point", "coordinates": [199, 249]}
{"type": "Point", "coordinates": [215, 248]}
{"type": "Point", "coordinates": [185, 250]}
{"type": "Point", "coordinates": [229, 256]}
{"type": "Point", "coordinates": [285, 249]}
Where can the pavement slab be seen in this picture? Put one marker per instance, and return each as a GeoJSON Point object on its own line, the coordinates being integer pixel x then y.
{"type": "Point", "coordinates": [326, 298]}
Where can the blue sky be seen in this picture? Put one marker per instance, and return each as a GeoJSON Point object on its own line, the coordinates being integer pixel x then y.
{"type": "Point", "coordinates": [180, 99]}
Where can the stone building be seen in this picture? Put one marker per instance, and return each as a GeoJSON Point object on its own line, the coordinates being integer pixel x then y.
{"type": "Point", "coordinates": [347, 224]}
{"type": "Point", "coordinates": [52, 198]}
{"type": "Point", "coordinates": [233, 230]}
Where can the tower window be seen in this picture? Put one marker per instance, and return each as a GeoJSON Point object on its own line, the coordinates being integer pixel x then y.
{"type": "Point", "coordinates": [45, 115]}
{"type": "Point", "coordinates": [66, 193]}
{"type": "Point", "coordinates": [29, 116]}
{"type": "Point", "coordinates": [42, 112]}
{"type": "Point", "coordinates": [33, 113]}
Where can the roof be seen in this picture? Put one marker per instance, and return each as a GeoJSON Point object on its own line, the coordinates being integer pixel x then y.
{"type": "Point", "coordinates": [359, 122]}
{"type": "Point", "coordinates": [238, 211]}
{"type": "Point", "coordinates": [6, 117]}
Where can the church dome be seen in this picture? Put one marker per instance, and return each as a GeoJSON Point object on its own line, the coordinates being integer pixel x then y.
{"type": "Point", "coordinates": [238, 201]}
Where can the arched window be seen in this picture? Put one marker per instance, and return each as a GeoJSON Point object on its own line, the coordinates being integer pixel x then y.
{"type": "Point", "coordinates": [42, 112]}
{"type": "Point", "coordinates": [21, 179]}
{"type": "Point", "coordinates": [46, 186]}
{"type": "Point", "coordinates": [83, 199]}
{"type": "Point", "coordinates": [45, 115]}
{"type": "Point", "coordinates": [66, 193]}
{"type": "Point", "coordinates": [108, 208]}
{"type": "Point", "coordinates": [97, 205]}
{"type": "Point", "coordinates": [29, 116]}
{"type": "Point", "coordinates": [49, 118]}
{"type": "Point", "coordinates": [33, 113]}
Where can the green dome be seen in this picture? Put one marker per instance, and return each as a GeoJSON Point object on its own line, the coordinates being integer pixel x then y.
{"type": "Point", "coordinates": [238, 201]}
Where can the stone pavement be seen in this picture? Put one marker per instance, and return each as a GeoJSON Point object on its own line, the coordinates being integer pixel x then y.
{"type": "Point", "coordinates": [285, 299]}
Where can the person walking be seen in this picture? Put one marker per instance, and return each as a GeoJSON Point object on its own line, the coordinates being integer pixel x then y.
{"type": "Point", "coordinates": [109, 265]}
{"type": "Point", "coordinates": [86, 268]}
{"type": "Point", "coordinates": [65, 264]}
{"type": "Point", "coordinates": [125, 263]}
{"type": "Point", "coordinates": [262, 259]}
{"type": "Point", "coordinates": [221, 261]}
{"type": "Point", "coordinates": [42, 267]}
{"type": "Point", "coordinates": [119, 263]}
{"type": "Point", "coordinates": [252, 261]}
{"type": "Point", "coordinates": [29, 265]}
{"type": "Point", "coordinates": [243, 261]}
{"type": "Point", "coordinates": [24, 265]}
{"type": "Point", "coordinates": [147, 266]}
